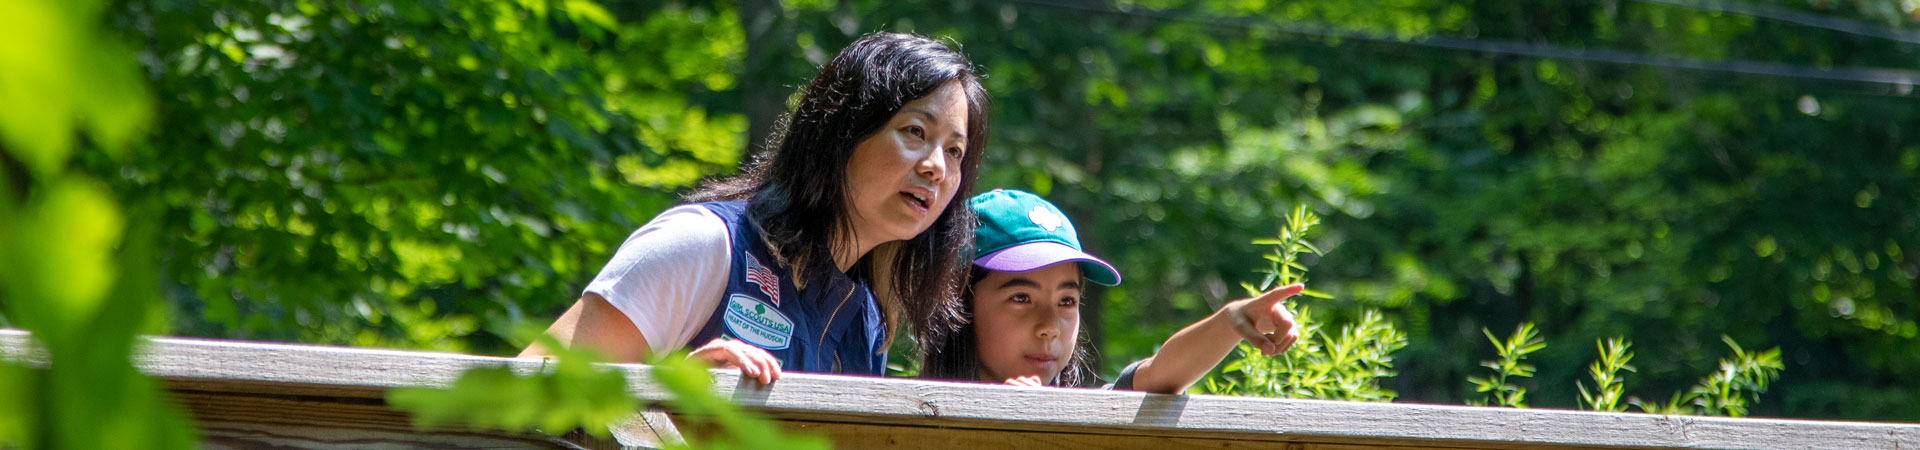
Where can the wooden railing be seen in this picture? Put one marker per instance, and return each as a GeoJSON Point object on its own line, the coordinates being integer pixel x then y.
{"type": "Point", "coordinates": [255, 395]}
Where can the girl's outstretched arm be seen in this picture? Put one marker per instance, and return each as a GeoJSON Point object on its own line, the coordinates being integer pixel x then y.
{"type": "Point", "coordinates": [1263, 321]}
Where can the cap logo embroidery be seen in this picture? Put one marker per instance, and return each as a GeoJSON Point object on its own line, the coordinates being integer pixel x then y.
{"type": "Point", "coordinates": [1044, 217]}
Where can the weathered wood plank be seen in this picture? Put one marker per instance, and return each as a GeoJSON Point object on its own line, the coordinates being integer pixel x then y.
{"type": "Point", "coordinates": [235, 421]}
{"type": "Point", "coordinates": [347, 373]}
{"type": "Point", "coordinates": [912, 402]}
{"type": "Point", "coordinates": [847, 436]}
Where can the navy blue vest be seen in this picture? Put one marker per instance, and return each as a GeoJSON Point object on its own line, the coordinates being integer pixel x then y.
{"type": "Point", "coordinates": [831, 326]}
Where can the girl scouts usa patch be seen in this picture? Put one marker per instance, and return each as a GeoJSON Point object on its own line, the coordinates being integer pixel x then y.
{"type": "Point", "coordinates": [758, 323]}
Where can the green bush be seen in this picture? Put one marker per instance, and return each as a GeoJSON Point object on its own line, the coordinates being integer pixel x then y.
{"type": "Point", "coordinates": [1339, 366]}
{"type": "Point", "coordinates": [1336, 366]}
{"type": "Point", "coordinates": [1350, 364]}
{"type": "Point", "coordinates": [1614, 358]}
{"type": "Point", "coordinates": [1729, 391]}
{"type": "Point", "coordinates": [1513, 353]}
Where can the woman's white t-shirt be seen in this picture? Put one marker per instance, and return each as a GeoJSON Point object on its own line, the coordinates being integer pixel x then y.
{"type": "Point", "coordinates": [669, 275]}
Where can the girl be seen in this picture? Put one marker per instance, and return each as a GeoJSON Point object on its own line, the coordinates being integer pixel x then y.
{"type": "Point", "coordinates": [807, 260]}
{"type": "Point", "coordinates": [1020, 314]}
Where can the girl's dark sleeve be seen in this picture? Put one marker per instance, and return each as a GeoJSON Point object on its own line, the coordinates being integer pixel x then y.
{"type": "Point", "coordinates": [1125, 381]}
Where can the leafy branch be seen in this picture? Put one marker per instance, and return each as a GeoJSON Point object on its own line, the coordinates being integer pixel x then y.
{"type": "Point", "coordinates": [1729, 391]}
{"type": "Point", "coordinates": [568, 391]}
{"type": "Point", "coordinates": [1614, 357]}
{"type": "Point", "coordinates": [1284, 267]}
{"type": "Point", "coordinates": [733, 427]}
{"type": "Point", "coordinates": [1511, 365]}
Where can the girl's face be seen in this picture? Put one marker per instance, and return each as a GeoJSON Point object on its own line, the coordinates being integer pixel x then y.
{"type": "Point", "coordinates": [1026, 322]}
{"type": "Point", "coordinates": [903, 176]}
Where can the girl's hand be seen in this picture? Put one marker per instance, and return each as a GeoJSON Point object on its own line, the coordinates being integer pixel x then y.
{"type": "Point", "coordinates": [1029, 380]}
{"type": "Point", "coordinates": [1264, 321]}
{"type": "Point", "coordinates": [754, 362]}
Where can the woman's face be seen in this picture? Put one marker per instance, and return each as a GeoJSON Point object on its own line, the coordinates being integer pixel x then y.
{"type": "Point", "coordinates": [1026, 322]}
{"type": "Point", "coordinates": [901, 178]}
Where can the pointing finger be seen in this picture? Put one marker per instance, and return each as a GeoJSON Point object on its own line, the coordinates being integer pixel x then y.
{"type": "Point", "coordinates": [1275, 296]}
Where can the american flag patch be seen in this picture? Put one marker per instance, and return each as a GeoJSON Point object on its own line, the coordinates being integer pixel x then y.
{"type": "Point", "coordinates": [760, 275]}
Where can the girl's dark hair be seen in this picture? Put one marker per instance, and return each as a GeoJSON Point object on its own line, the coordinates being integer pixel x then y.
{"type": "Point", "coordinates": [796, 191]}
{"type": "Point", "coordinates": [953, 352]}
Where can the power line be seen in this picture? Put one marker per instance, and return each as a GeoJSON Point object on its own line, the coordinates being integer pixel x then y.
{"type": "Point", "coordinates": [1797, 17]}
{"type": "Point", "coordinates": [1899, 78]}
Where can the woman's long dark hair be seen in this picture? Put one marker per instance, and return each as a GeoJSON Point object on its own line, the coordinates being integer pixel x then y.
{"type": "Point", "coordinates": [797, 191]}
{"type": "Point", "coordinates": [953, 352]}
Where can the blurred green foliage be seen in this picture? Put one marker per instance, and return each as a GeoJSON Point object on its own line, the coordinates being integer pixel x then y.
{"type": "Point", "coordinates": [572, 391]}
{"type": "Point", "coordinates": [430, 174]}
{"type": "Point", "coordinates": [729, 425]}
{"type": "Point", "coordinates": [568, 391]}
{"type": "Point", "coordinates": [75, 267]}
{"type": "Point", "coordinates": [412, 174]}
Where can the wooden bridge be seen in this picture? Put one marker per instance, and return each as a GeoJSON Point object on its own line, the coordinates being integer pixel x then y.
{"type": "Point", "coordinates": [270, 395]}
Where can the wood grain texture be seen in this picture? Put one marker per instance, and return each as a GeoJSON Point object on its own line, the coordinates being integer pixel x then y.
{"type": "Point", "coordinates": [847, 436]}
{"type": "Point", "coordinates": [245, 421]}
{"type": "Point", "coordinates": [340, 373]}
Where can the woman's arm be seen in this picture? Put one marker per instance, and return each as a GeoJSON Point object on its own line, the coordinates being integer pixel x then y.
{"type": "Point", "coordinates": [654, 293]}
{"type": "Point", "coordinates": [1194, 350]}
{"type": "Point", "coordinates": [598, 326]}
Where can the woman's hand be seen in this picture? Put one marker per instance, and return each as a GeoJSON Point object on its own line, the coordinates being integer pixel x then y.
{"type": "Point", "coordinates": [1029, 380]}
{"type": "Point", "coordinates": [1264, 321]}
{"type": "Point", "coordinates": [754, 362]}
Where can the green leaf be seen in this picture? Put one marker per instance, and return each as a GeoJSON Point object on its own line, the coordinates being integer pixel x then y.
{"type": "Point", "coordinates": [590, 12]}
{"type": "Point", "coordinates": [69, 277]}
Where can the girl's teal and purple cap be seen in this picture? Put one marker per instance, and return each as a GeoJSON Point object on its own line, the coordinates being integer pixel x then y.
{"type": "Point", "coordinates": [1020, 232]}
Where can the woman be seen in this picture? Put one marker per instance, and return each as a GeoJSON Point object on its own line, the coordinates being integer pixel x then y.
{"type": "Point", "coordinates": [807, 260]}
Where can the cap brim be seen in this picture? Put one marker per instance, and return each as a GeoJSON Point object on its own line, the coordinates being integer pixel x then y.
{"type": "Point", "coordinates": [1034, 255]}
